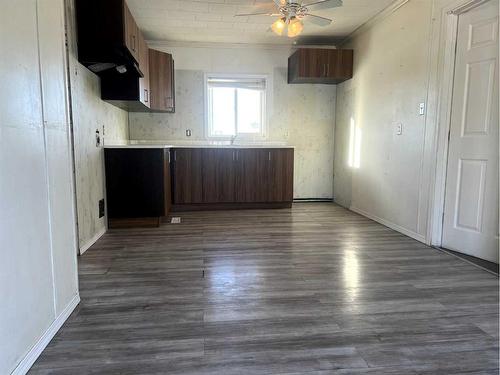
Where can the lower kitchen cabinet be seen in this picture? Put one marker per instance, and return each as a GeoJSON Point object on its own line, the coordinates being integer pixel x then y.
{"type": "Point", "coordinates": [232, 178]}
{"type": "Point", "coordinates": [253, 176]}
{"type": "Point", "coordinates": [187, 176]}
{"type": "Point", "coordinates": [138, 186]}
{"type": "Point", "coordinates": [280, 175]}
{"type": "Point", "coordinates": [219, 175]}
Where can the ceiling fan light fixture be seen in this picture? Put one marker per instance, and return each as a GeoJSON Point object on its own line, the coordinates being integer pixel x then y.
{"type": "Point", "coordinates": [295, 27]}
{"type": "Point", "coordinates": [279, 26]}
{"type": "Point", "coordinates": [291, 13]}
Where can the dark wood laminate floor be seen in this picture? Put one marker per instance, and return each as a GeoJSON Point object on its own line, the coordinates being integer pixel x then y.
{"type": "Point", "coordinates": [312, 290]}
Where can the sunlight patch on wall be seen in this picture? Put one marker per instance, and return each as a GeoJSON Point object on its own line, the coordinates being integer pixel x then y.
{"type": "Point", "coordinates": [354, 159]}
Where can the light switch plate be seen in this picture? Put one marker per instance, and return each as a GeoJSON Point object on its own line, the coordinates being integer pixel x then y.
{"type": "Point", "coordinates": [97, 138]}
{"type": "Point", "coordinates": [399, 129]}
{"type": "Point", "coordinates": [421, 109]}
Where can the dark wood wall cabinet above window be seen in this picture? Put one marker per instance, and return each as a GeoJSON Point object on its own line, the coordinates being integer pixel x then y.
{"type": "Point", "coordinates": [108, 36]}
{"type": "Point", "coordinates": [315, 65]}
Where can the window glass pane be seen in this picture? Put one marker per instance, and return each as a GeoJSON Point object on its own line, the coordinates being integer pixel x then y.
{"type": "Point", "coordinates": [223, 112]}
{"type": "Point", "coordinates": [249, 111]}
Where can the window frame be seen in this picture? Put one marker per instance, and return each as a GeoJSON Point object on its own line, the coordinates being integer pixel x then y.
{"type": "Point", "coordinates": [264, 106]}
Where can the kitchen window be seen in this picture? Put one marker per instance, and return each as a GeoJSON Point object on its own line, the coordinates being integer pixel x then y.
{"type": "Point", "coordinates": [236, 106]}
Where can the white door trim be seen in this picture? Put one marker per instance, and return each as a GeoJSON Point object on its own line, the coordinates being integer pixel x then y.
{"type": "Point", "coordinates": [446, 54]}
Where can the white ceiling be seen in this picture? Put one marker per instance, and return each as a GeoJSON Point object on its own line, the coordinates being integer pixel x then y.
{"type": "Point", "coordinates": [214, 21]}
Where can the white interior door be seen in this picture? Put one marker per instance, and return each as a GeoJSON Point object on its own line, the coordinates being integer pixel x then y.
{"type": "Point", "coordinates": [471, 203]}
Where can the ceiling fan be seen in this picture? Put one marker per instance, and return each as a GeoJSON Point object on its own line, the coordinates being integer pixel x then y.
{"type": "Point", "coordinates": [291, 13]}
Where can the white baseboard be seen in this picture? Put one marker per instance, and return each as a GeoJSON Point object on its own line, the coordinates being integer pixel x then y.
{"type": "Point", "coordinates": [396, 227]}
{"type": "Point", "coordinates": [92, 241]}
{"type": "Point", "coordinates": [30, 358]}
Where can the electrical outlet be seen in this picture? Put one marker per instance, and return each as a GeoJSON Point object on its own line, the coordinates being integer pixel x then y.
{"type": "Point", "coordinates": [101, 208]}
{"type": "Point", "coordinates": [188, 132]}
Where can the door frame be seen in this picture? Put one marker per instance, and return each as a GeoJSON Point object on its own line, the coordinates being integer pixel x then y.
{"type": "Point", "coordinates": [444, 91]}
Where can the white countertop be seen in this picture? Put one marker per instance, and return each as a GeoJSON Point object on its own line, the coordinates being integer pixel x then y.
{"type": "Point", "coordinates": [199, 144]}
{"type": "Point", "coordinates": [136, 146]}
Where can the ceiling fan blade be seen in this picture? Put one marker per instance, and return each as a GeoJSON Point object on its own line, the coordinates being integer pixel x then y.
{"type": "Point", "coordinates": [317, 20]}
{"type": "Point", "coordinates": [260, 9]}
{"type": "Point", "coordinates": [324, 4]}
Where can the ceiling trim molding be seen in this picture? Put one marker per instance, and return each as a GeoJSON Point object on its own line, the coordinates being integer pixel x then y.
{"type": "Point", "coordinates": [391, 8]}
{"type": "Point", "coordinates": [471, 4]}
{"type": "Point", "coordinates": [176, 44]}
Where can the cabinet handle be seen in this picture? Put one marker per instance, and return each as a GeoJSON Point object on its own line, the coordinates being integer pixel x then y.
{"type": "Point", "coordinates": [327, 70]}
{"type": "Point", "coordinates": [269, 155]}
{"type": "Point", "coordinates": [146, 95]}
{"type": "Point", "coordinates": [234, 156]}
{"type": "Point", "coordinates": [133, 43]}
{"type": "Point", "coordinates": [169, 157]}
{"type": "Point", "coordinates": [175, 155]}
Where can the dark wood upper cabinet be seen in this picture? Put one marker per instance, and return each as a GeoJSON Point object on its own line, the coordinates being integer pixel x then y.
{"type": "Point", "coordinates": [162, 84]}
{"type": "Point", "coordinates": [315, 65]}
{"type": "Point", "coordinates": [144, 82]}
{"type": "Point", "coordinates": [108, 36]}
{"type": "Point", "coordinates": [131, 33]}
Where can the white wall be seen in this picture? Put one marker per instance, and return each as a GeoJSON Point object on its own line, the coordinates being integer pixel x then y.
{"type": "Point", "coordinates": [391, 72]}
{"type": "Point", "coordinates": [38, 274]}
{"type": "Point", "coordinates": [90, 113]}
{"type": "Point", "coordinates": [301, 115]}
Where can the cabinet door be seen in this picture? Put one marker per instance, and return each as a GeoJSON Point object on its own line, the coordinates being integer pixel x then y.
{"type": "Point", "coordinates": [161, 73]}
{"type": "Point", "coordinates": [135, 182]}
{"type": "Point", "coordinates": [170, 84]}
{"type": "Point", "coordinates": [252, 175]}
{"type": "Point", "coordinates": [219, 175]}
{"type": "Point", "coordinates": [167, 175]}
{"type": "Point", "coordinates": [188, 176]}
{"type": "Point", "coordinates": [280, 175]}
{"type": "Point", "coordinates": [144, 67]}
{"type": "Point", "coordinates": [316, 63]}
{"type": "Point", "coordinates": [131, 32]}
{"type": "Point", "coordinates": [339, 63]}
